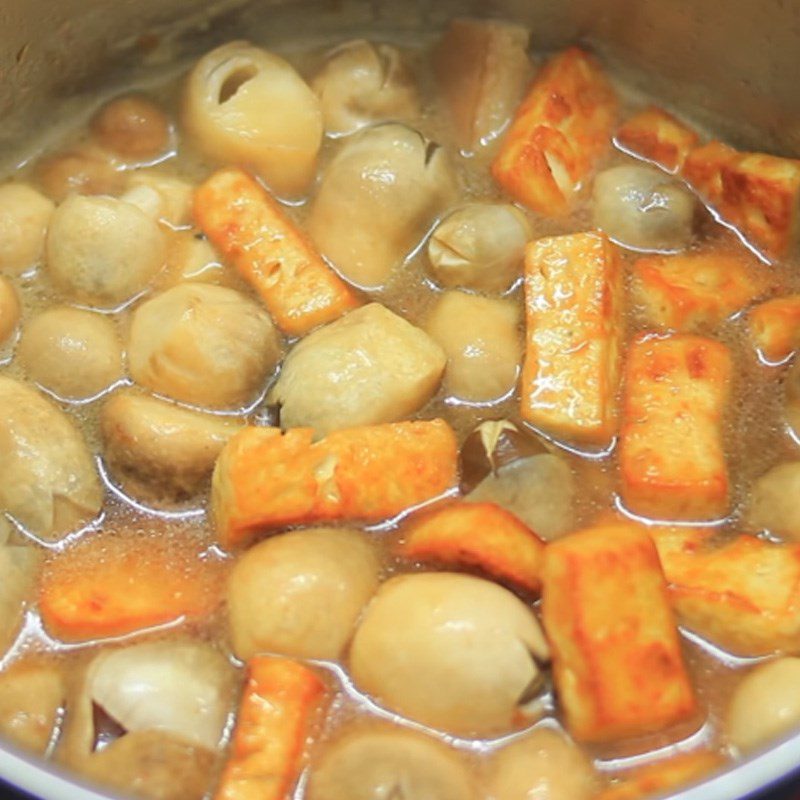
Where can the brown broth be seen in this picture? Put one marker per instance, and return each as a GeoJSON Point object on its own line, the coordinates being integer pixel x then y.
{"type": "Point", "coordinates": [754, 432]}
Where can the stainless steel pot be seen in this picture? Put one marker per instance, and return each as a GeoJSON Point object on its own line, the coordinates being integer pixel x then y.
{"type": "Point", "coordinates": [732, 65]}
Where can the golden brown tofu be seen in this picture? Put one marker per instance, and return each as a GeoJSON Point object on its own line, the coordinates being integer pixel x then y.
{"type": "Point", "coordinates": [265, 478]}
{"type": "Point", "coordinates": [560, 130]}
{"type": "Point", "coordinates": [664, 774]}
{"type": "Point", "coordinates": [758, 194]}
{"type": "Point", "coordinates": [695, 290]}
{"type": "Point", "coordinates": [617, 659]}
{"type": "Point", "coordinates": [703, 169]}
{"type": "Point", "coordinates": [574, 326]}
{"type": "Point", "coordinates": [671, 458]}
{"type": "Point", "coordinates": [774, 327]}
{"type": "Point", "coordinates": [657, 136]}
{"type": "Point", "coordinates": [743, 596]}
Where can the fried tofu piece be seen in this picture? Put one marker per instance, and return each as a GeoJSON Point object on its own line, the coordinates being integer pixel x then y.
{"type": "Point", "coordinates": [481, 67]}
{"type": "Point", "coordinates": [703, 169]}
{"type": "Point", "coordinates": [774, 327]}
{"type": "Point", "coordinates": [743, 596]}
{"type": "Point", "coordinates": [657, 136]}
{"type": "Point", "coordinates": [694, 290]}
{"type": "Point", "coordinates": [282, 699]}
{"type": "Point", "coordinates": [560, 130]}
{"type": "Point", "coordinates": [481, 535]}
{"type": "Point", "coordinates": [265, 478]}
{"type": "Point", "coordinates": [671, 458]}
{"type": "Point", "coordinates": [668, 773]}
{"type": "Point", "coordinates": [758, 194]}
{"type": "Point", "coordinates": [113, 586]}
{"type": "Point", "coordinates": [574, 327]}
{"type": "Point", "coordinates": [250, 229]}
{"type": "Point", "coordinates": [617, 660]}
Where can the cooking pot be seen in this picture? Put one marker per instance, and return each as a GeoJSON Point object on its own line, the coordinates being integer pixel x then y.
{"type": "Point", "coordinates": [732, 66]}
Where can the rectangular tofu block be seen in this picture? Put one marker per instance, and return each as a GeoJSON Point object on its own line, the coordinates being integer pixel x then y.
{"type": "Point", "coordinates": [481, 535]}
{"type": "Point", "coordinates": [560, 130]}
{"type": "Point", "coordinates": [774, 327]}
{"type": "Point", "coordinates": [252, 232]}
{"type": "Point", "coordinates": [574, 328]}
{"type": "Point", "coordinates": [671, 458]}
{"type": "Point", "coordinates": [617, 660]}
{"type": "Point", "coordinates": [743, 596]}
{"type": "Point", "coordinates": [265, 478]}
{"type": "Point", "coordinates": [757, 193]}
{"type": "Point", "coordinates": [694, 291]}
{"type": "Point", "coordinates": [279, 705]}
{"type": "Point", "coordinates": [667, 773]}
{"type": "Point", "coordinates": [657, 136]}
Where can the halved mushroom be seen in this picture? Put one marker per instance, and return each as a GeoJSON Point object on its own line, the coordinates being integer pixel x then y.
{"type": "Point", "coordinates": [480, 246]}
{"type": "Point", "coordinates": [32, 694]}
{"type": "Point", "coordinates": [152, 764]}
{"type": "Point", "coordinates": [765, 705]}
{"type": "Point", "coordinates": [773, 505]}
{"type": "Point", "coordinates": [483, 357]}
{"type": "Point", "coordinates": [205, 345]}
{"type": "Point", "coordinates": [361, 83]}
{"type": "Point", "coordinates": [158, 450]}
{"type": "Point", "coordinates": [48, 481]}
{"type": "Point", "coordinates": [378, 198]}
{"type": "Point", "coordinates": [502, 464]}
{"type": "Point", "coordinates": [246, 106]}
{"type": "Point", "coordinates": [182, 688]}
{"type": "Point", "coordinates": [543, 764]}
{"type": "Point", "coordinates": [378, 762]}
{"type": "Point", "coordinates": [24, 217]}
{"type": "Point", "coordinates": [455, 652]}
{"type": "Point", "coordinates": [370, 366]}
{"type": "Point", "coordinates": [300, 593]}
{"type": "Point", "coordinates": [103, 251]}
{"type": "Point", "coordinates": [482, 67]}
{"type": "Point", "coordinates": [643, 208]}
{"type": "Point", "coordinates": [19, 566]}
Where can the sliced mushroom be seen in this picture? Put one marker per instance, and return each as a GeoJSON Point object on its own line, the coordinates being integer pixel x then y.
{"type": "Point", "coordinates": [370, 366]}
{"type": "Point", "coordinates": [379, 762]}
{"type": "Point", "coordinates": [300, 593]}
{"type": "Point", "coordinates": [482, 67]}
{"type": "Point", "coordinates": [480, 246]}
{"type": "Point", "coordinates": [182, 688]}
{"type": "Point", "coordinates": [774, 503]}
{"type": "Point", "coordinates": [451, 651]}
{"type": "Point", "coordinates": [643, 208]}
{"type": "Point", "coordinates": [361, 83]}
{"type": "Point", "coordinates": [378, 198]}
{"type": "Point", "coordinates": [246, 106]}
{"type": "Point", "coordinates": [48, 481]}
